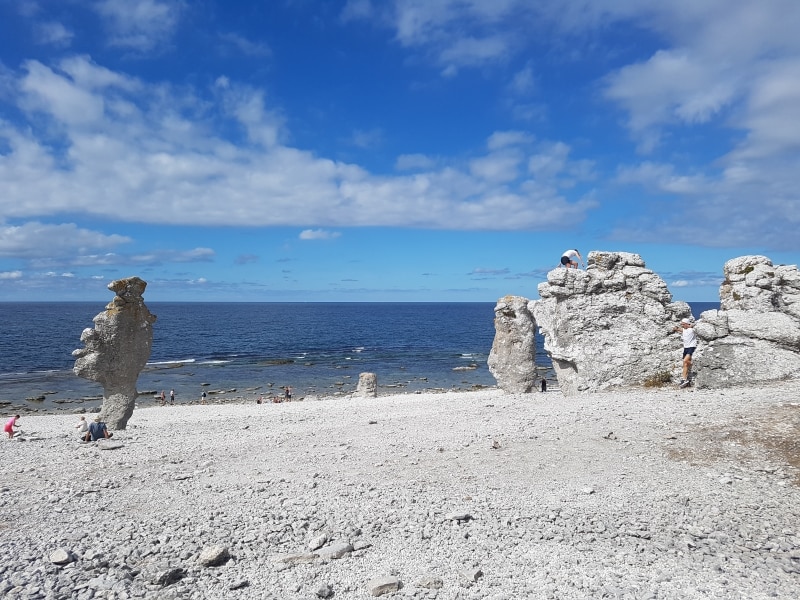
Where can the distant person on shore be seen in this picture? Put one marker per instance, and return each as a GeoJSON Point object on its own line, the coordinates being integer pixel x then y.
{"type": "Point", "coordinates": [689, 338]}
{"type": "Point", "coordinates": [544, 384]}
{"type": "Point", "coordinates": [97, 430]}
{"type": "Point", "coordinates": [82, 428]}
{"type": "Point", "coordinates": [163, 398]}
{"type": "Point", "coordinates": [203, 397]}
{"type": "Point", "coordinates": [568, 259]}
{"type": "Point", "coordinates": [10, 425]}
{"type": "Point", "coordinates": [287, 393]}
{"type": "Point", "coordinates": [172, 396]}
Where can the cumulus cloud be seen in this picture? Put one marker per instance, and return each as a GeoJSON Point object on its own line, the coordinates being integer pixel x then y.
{"type": "Point", "coordinates": [53, 34]}
{"type": "Point", "coordinates": [414, 162]}
{"type": "Point", "coordinates": [35, 240]}
{"type": "Point", "coordinates": [139, 25]}
{"type": "Point", "coordinates": [160, 152]}
{"type": "Point", "coordinates": [318, 234]}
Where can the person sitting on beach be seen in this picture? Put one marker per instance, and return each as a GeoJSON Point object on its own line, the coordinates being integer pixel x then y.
{"type": "Point", "coordinates": [10, 425]}
{"type": "Point", "coordinates": [82, 427]}
{"type": "Point", "coordinates": [97, 430]}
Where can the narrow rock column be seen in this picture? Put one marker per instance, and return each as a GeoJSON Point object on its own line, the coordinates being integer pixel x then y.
{"type": "Point", "coordinates": [117, 349]}
{"type": "Point", "coordinates": [367, 385]}
{"type": "Point", "coordinates": [512, 360]}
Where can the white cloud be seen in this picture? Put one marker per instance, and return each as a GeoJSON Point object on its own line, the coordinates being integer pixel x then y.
{"type": "Point", "coordinates": [37, 240]}
{"type": "Point", "coordinates": [414, 162]}
{"type": "Point", "coordinates": [357, 9]}
{"type": "Point", "coordinates": [246, 46]}
{"type": "Point", "coordinates": [502, 139]}
{"type": "Point", "coordinates": [159, 152]}
{"type": "Point", "coordinates": [367, 139]}
{"type": "Point", "coordinates": [318, 234]}
{"type": "Point", "coordinates": [53, 34]}
{"type": "Point", "coordinates": [139, 25]}
{"type": "Point", "coordinates": [10, 274]}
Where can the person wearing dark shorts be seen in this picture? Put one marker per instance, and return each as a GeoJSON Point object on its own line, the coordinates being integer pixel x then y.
{"type": "Point", "coordinates": [689, 346]}
{"type": "Point", "coordinates": [568, 259]}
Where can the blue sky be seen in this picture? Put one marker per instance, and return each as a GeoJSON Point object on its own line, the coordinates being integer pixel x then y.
{"type": "Point", "coordinates": [403, 150]}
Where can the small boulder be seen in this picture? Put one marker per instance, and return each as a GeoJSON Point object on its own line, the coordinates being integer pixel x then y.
{"type": "Point", "coordinates": [61, 556]}
{"type": "Point", "coordinates": [384, 585]}
{"type": "Point", "coordinates": [213, 556]}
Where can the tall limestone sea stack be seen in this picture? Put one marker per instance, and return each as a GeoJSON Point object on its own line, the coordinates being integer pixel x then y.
{"type": "Point", "coordinates": [117, 349]}
{"type": "Point", "coordinates": [613, 325]}
{"type": "Point", "coordinates": [755, 335]}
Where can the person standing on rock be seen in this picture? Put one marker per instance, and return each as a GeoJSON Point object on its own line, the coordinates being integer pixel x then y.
{"type": "Point", "coordinates": [686, 330]}
{"type": "Point", "coordinates": [544, 384]}
{"type": "Point", "coordinates": [10, 425]}
{"type": "Point", "coordinates": [568, 259]}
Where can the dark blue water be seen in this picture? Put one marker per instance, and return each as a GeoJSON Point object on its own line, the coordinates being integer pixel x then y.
{"type": "Point", "coordinates": [256, 348]}
{"type": "Point", "coordinates": [318, 349]}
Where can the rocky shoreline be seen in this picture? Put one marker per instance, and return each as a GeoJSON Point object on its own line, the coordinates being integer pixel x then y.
{"type": "Point", "coordinates": [643, 493]}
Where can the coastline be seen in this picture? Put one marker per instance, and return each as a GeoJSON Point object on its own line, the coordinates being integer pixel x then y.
{"type": "Point", "coordinates": [667, 493]}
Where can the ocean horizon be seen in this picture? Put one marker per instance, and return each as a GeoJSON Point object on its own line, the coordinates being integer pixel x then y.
{"type": "Point", "coordinates": [252, 349]}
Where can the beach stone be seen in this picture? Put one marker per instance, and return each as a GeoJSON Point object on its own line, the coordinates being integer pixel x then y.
{"type": "Point", "coordinates": [609, 326]}
{"type": "Point", "coordinates": [294, 559]}
{"type": "Point", "coordinates": [335, 550]}
{"type": "Point", "coordinates": [367, 385]}
{"type": "Point", "coordinates": [512, 359]}
{"type": "Point", "coordinates": [318, 542]}
{"type": "Point", "coordinates": [61, 556]}
{"type": "Point", "coordinates": [384, 585]}
{"type": "Point", "coordinates": [431, 582]}
{"type": "Point", "coordinates": [117, 349]}
{"type": "Point", "coordinates": [755, 335]}
{"type": "Point", "coordinates": [324, 591]}
{"type": "Point", "coordinates": [238, 584]}
{"type": "Point", "coordinates": [213, 556]}
{"type": "Point", "coordinates": [168, 576]}
{"type": "Point", "coordinates": [106, 445]}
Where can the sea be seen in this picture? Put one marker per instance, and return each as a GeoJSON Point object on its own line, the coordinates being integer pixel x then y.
{"type": "Point", "coordinates": [251, 350]}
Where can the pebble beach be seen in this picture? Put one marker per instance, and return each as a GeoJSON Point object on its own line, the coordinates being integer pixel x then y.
{"type": "Point", "coordinates": [644, 494]}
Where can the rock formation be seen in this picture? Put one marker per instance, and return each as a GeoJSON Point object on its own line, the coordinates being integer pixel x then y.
{"type": "Point", "coordinates": [755, 336]}
{"type": "Point", "coordinates": [611, 325]}
{"type": "Point", "coordinates": [512, 360]}
{"type": "Point", "coordinates": [367, 385]}
{"type": "Point", "coordinates": [117, 349]}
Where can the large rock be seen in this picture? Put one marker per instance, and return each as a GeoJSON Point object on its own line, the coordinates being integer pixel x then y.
{"type": "Point", "coordinates": [117, 349]}
{"type": "Point", "coordinates": [755, 336]}
{"type": "Point", "coordinates": [512, 360]}
{"type": "Point", "coordinates": [367, 385]}
{"type": "Point", "coordinates": [611, 325]}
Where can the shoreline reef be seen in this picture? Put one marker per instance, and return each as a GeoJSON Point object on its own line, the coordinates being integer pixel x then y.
{"type": "Point", "coordinates": [659, 493]}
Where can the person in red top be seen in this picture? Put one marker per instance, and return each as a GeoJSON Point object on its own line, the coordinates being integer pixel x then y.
{"type": "Point", "coordinates": [10, 425]}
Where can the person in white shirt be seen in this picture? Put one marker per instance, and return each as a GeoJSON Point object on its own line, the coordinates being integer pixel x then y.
{"type": "Point", "coordinates": [568, 259]}
{"type": "Point", "coordinates": [82, 427]}
{"type": "Point", "coordinates": [689, 345]}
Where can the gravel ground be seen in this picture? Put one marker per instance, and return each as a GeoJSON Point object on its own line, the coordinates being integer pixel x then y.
{"type": "Point", "coordinates": [663, 494]}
